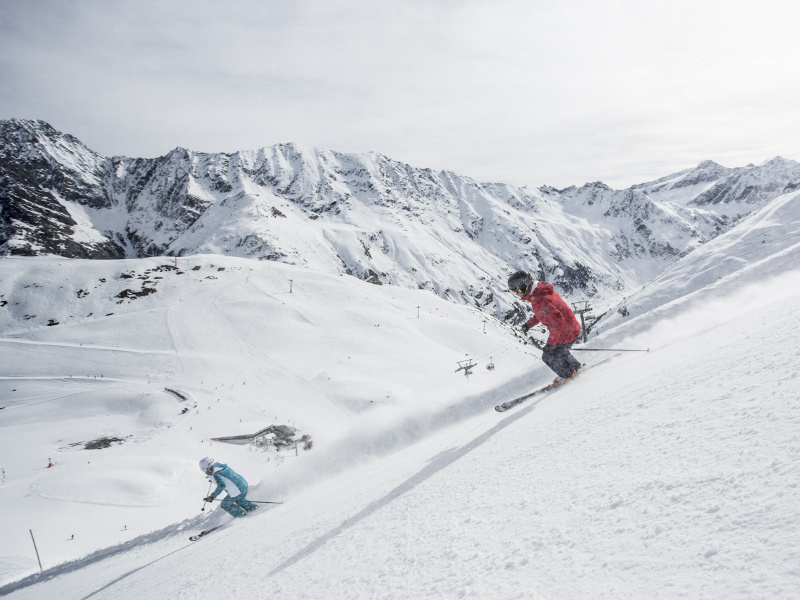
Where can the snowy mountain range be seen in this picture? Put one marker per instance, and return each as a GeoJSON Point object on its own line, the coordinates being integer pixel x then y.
{"type": "Point", "coordinates": [365, 215]}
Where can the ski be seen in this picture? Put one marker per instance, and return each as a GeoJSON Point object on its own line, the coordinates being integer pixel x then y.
{"type": "Point", "coordinates": [194, 538]}
{"type": "Point", "coordinates": [512, 403]}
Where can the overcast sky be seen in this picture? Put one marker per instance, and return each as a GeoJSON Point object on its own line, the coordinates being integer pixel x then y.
{"type": "Point", "coordinates": [524, 92]}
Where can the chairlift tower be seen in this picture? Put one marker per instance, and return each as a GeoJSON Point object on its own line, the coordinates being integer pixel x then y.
{"type": "Point", "coordinates": [582, 308]}
{"type": "Point", "coordinates": [466, 366]}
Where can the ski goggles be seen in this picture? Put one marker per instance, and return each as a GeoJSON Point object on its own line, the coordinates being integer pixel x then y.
{"type": "Point", "coordinates": [520, 291]}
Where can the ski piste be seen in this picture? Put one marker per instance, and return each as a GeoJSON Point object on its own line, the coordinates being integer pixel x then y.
{"type": "Point", "coordinates": [512, 403]}
{"type": "Point", "coordinates": [205, 532]}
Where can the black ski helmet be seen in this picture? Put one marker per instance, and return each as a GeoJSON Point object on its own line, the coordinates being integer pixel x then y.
{"type": "Point", "coordinates": [520, 283]}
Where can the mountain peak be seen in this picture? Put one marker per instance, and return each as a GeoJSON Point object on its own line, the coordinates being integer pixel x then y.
{"type": "Point", "coordinates": [780, 161]}
{"type": "Point", "coordinates": [32, 127]}
{"type": "Point", "coordinates": [594, 185]}
{"type": "Point", "coordinates": [708, 164]}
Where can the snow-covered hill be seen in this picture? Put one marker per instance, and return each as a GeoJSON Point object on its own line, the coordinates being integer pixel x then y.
{"type": "Point", "coordinates": [154, 360]}
{"type": "Point", "coordinates": [365, 215]}
{"type": "Point", "coordinates": [672, 473]}
{"type": "Point", "coordinates": [764, 244]}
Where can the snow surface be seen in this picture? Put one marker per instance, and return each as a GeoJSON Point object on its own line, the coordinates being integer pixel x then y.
{"type": "Point", "coordinates": [665, 474]}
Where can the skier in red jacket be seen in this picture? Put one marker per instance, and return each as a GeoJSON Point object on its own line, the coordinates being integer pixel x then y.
{"type": "Point", "coordinates": [550, 310]}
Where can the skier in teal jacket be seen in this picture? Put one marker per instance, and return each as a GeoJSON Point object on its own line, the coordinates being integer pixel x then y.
{"type": "Point", "coordinates": [236, 503]}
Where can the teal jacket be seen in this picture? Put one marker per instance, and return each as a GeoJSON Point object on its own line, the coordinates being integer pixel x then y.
{"type": "Point", "coordinates": [228, 480]}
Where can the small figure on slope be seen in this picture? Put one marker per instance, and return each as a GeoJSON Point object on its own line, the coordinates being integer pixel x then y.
{"type": "Point", "coordinates": [550, 310]}
{"type": "Point", "coordinates": [236, 503]}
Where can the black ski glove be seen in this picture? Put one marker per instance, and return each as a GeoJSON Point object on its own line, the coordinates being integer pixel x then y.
{"type": "Point", "coordinates": [526, 327]}
{"type": "Point", "coordinates": [209, 498]}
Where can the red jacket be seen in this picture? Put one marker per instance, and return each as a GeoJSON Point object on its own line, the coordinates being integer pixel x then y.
{"type": "Point", "coordinates": [550, 310]}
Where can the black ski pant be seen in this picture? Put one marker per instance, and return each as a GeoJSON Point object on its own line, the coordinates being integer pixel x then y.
{"type": "Point", "coordinates": [560, 360]}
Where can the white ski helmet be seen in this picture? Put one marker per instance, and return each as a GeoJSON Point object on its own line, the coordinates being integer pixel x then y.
{"type": "Point", "coordinates": [206, 464]}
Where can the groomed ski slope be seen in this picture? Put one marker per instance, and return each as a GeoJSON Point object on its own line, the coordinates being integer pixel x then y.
{"type": "Point", "coordinates": [668, 474]}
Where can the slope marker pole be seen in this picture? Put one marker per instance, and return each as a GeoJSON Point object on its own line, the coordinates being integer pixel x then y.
{"type": "Point", "coordinates": [37, 551]}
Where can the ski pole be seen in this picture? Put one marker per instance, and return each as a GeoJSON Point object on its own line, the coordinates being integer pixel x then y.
{"type": "Point", "coordinates": [609, 350]}
{"type": "Point", "coordinates": [204, 499]}
{"type": "Point", "coordinates": [253, 501]}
